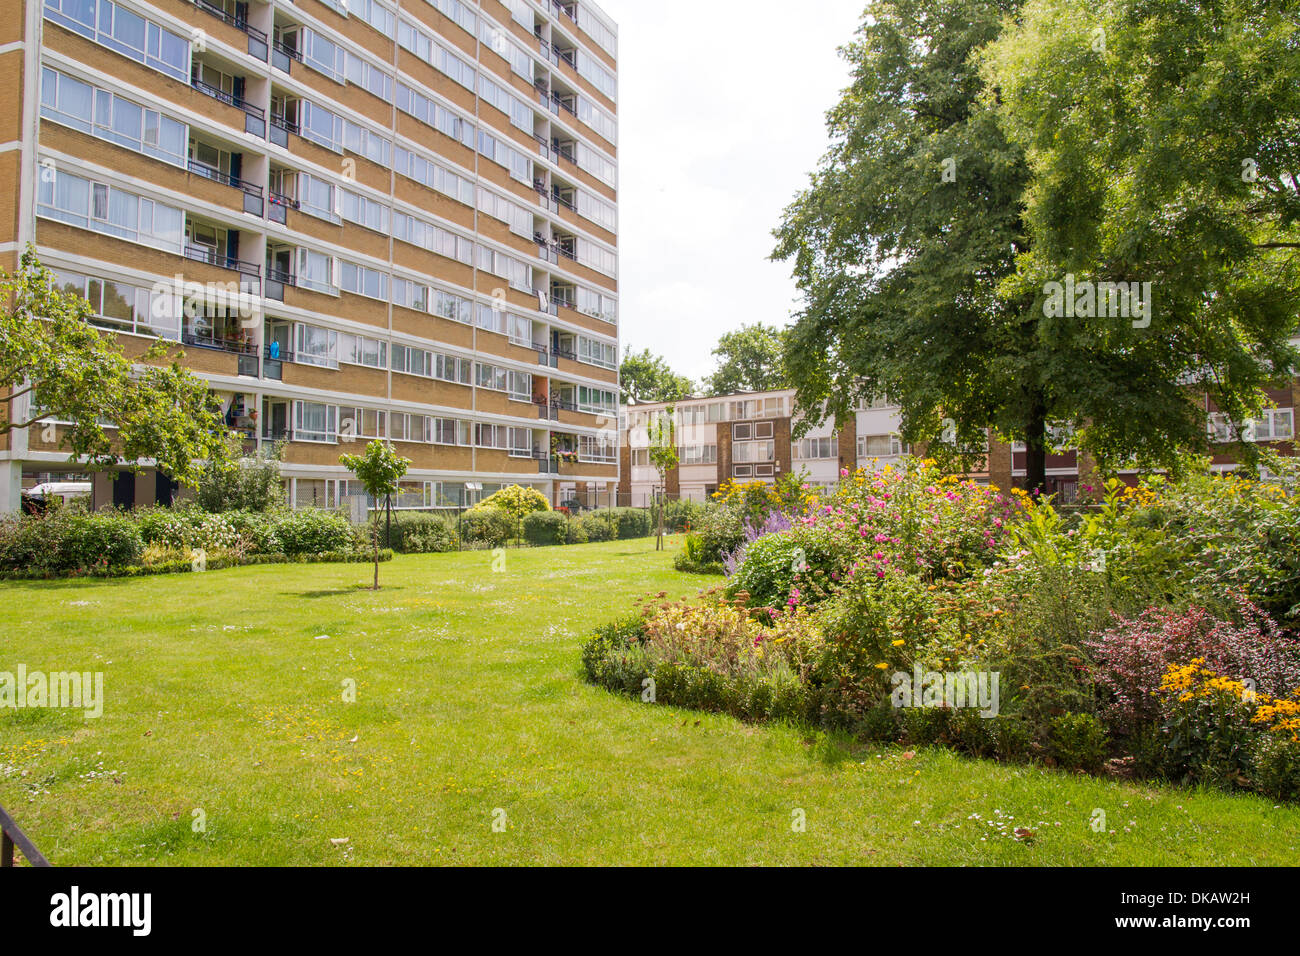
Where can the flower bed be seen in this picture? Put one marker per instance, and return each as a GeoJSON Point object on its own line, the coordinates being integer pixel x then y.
{"type": "Point", "coordinates": [1154, 634]}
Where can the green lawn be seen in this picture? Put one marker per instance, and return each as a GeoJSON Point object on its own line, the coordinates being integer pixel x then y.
{"type": "Point", "coordinates": [225, 693]}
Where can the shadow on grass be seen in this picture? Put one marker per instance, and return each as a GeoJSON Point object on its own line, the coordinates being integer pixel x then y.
{"type": "Point", "coordinates": [338, 592]}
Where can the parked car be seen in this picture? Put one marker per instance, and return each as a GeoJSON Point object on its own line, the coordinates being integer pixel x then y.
{"type": "Point", "coordinates": [37, 498]}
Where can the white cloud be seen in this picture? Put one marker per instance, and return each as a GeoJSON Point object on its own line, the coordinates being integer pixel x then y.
{"type": "Point", "coordinates": [721, 118]}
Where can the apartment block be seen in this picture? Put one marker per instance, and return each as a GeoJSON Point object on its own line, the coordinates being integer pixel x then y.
{"type": "Point", "coordinates": [358, 218]}
{"type": "Point", "coordinates": [748, 437]}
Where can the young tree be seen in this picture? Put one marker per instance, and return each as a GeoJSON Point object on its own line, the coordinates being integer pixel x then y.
{"type": "Point", "coordinates": [645, 377]}
{"type": "Point", "coordinates": [380, 471]}
{"type": "Point", "coordinates": [751, 359]}
{"type": "Point", "coordinates": [1164, 148]}
{"type": "Point", "coordinates": [662, 430]}
{"type": "Point", "coordinates": [72, 372]}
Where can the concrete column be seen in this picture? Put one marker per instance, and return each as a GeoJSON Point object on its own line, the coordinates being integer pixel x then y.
{"type": "Point", "coordinates": [11, 486]}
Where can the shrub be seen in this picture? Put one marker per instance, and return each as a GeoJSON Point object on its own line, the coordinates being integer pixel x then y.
{"type": "Point", "coordinates": [682, 515]}
{"type": "Point", "coordinates": [1277, 767]}
{"type": "Point", "coordinates": [722, 531]}
{"type": "Point", "coordinates": [315, 531]}
{"type": "Point", "coordinates": [796, 567]}
{"type": "Point", "coordinates": [518, 502]}
{"type": "Point", "coordinates": [599, 526]}
{"type": "Point", "coordinates": [1133, 656]}
{"type": "Point", "coordinates": [108, 538]}
{"type": "Point", "coordinates": [546, 527]}
{"type": "Point", "coordinates": [692, 557]}
{"type": "Point", "coordinates": [487, 527]}
{"type": "Point", "coordinates": [250, 483]}
{"type": "Point", "coordinates": [1078, 741]}
{"type": "Point", "coordinates": [1205, 727]}
{"type": "Point", "coordinates": [575, 532]}
{"type": "Point", "coordinates": [632, 522]}
{"type": "Point", "coordinates": [66, 540]}
{"type": "Point", "coordinates": [418, 532]}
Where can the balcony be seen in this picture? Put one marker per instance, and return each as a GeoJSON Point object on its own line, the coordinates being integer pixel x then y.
{"type": "Point", "coordinates": [277, 280]}
{"type": "Point", "coordinates": [280, 130]}
{"type": "Point", "coordinates": [252, 194]}
{"type": "Point", "coordinates": [254, 117]}
{"type": "Point", "coordinates": [273, 359]}
{"type": "Point", "coordinates": [257, 47]}
{"type": "Point", "coordinates": [250, 273]}
{"type": "Point", "coordinates": [241, 347]}
{"type": "Point", "coordinates": [278, 210]}
{"type": "Point", "coordinates": [283, 55]}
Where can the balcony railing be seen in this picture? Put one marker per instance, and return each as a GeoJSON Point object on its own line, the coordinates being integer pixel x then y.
{"type": "Point", "coordinates": [280, 204]}
{"type": "Point", "coordinates": [254, 116]}
{"type": "Point", "coordinates": [280, 130]}
{"type": "Point", "coordinates": [252, 193]}
{"type": "Point", "coordinates": [276, 281]}
{"type": "Point", "coordinates": [256, 38]}
{"type": "Point", "coordinates": [282, 56]}
{"type": "Point", "coordinates": [220, 343]}
{"type": "Point", "coordinates": [249, 270]}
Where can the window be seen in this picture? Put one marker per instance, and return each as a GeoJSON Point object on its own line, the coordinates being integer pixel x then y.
{"type": "Point", "coordinates": [315, 271]}
{"type": "Point", "coordinates": [369, 77]}
{"type": "Point", "coordinates": [362, 280]}
{"type": "Point", "coordinates": [435, 176]}
{"type": "Point", "coordinates": [321, 126]}
{"type": "Point", "coordinates": [812, 449]}
{"type": "Point", "coordinates": [360, 423]}
{"type": "Point", "coordinates": [752, 451]}
{"type": "Point", "coordinates": [742, 432]}
{"type": "Point", "coordinates": [359, 350]}
{"type": "Point", "coordinates": [128, 33]}
{"type": "Point", "coordinates": [519, 385]}
{"type": "Point", "coordinates": [316, 346]}
{"type": "Point", "coordinates": [491, 436]}
{"type": "Point", "coordinates": [698, 454]}
{"type": "Point", "coordinates": [110, 117]}
{"type": "Point", "coordinates": [412, 361]}
{"type": "Point", "coordinates": [316, 198]}
{"type": "Point", "coordinates": [1277, 424]}
{"type": "Point", "coordinates": [596, 401]}
{"type": "Point", "coordinates": [363, 142]}
{"type": "Point", "coordinates": [121, 306]}
{"type": "Point", "coordinates": [426, 235]}
{"type": "Point", "coordinates": [880, 446]}
{"type": "Point", "coordinates": [112, 211]}
{"type": "Point", "coordinates": [315, 422]}
{"type": "Point", "coordinates": [364, 212]}
{"type": "Point", "coordinates": [597, 449]}
{"type": "Point", "coordinates": [410, 295]}
{"type": "Point", "coordinates": [449, 431]}
{"type": "Point", "coordinates": [521, 442]}
{"type": "Point", "coordinates": [414, 428]}
{"type": "Point", "coordinates": [322, 55]}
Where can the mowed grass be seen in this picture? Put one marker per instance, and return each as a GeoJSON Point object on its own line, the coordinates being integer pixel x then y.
{"type": "Point", "coordinates": [225, 695]}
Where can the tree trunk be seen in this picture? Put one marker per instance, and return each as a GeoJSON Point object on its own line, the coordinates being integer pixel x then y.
{"type": "Point", "coordinates": [1036, 450]}
{"type": "Point", "coordinates": [375, 540]}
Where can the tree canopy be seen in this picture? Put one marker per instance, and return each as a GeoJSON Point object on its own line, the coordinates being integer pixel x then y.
{"type": "Point", "coordinates": [71, 372]}
{"type": "Point", "coordinates": [646, 377]}
{"type": "Point", "coordinates": [750, 359]}
{"type": "Point", "coordinates": [989, 156]}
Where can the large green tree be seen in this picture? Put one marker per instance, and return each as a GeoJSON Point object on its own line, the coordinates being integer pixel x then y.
{"type": "Point", "coordinates": [1163, 141]}
{"type": "Point", "coordinates": [751, 359]}
{"type": "Point", "coordinates": [904, 236]}
{"type": "Point", "coordinates": [71, 372]}
{"type": "Point", "coordinates": [646, 377]}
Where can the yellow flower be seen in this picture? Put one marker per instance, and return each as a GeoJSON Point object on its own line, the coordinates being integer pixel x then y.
{"type": "Point", "coordinates": [882, 666]}
{"type": "Point", "coordinates": [899, 643]}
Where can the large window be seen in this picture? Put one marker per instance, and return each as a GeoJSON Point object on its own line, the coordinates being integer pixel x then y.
{"type": "Point", "coordinates": [315, 271]}
{"type": "Point", "coordinates": [123, 307]}
{"type": "Point", "coordinates": [313, 421]}
{"type": "Point", "coordinates": [359, 350]}
{"type": "Point", "coordinates": [128, 33]}
{"type": "Point", "coordinates": [363, 280]}
{"type": "Point", "coordinates": [360, 423]}
{"type": "Point", "coordinates": [111, 117]}
{"type": "Point", "coordinates": [880, 446]}
{"type": "Point", "coordinates": [112, 211]}
{"type": "Point", "coordinates": [814, 449]}
{"type": "Point", "coordinates": [317, 346]}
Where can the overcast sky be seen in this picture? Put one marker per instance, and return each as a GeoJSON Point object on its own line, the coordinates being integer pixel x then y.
{"type": "Point", "coordinates": [721, 118]}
